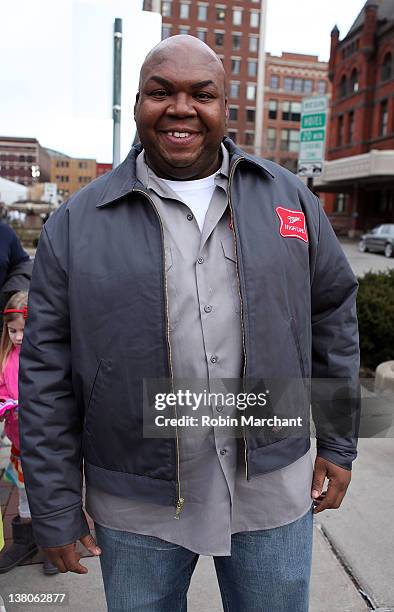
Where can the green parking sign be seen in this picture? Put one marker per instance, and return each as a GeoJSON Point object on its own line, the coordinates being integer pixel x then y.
{"type": "Point", "coordinates": [317, 120]}
{"type": "Point", "coordinates": [312, 135]}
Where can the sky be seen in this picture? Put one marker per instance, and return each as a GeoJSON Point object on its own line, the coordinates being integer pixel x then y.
{"type": "Point", "coordinates": [56, 70]}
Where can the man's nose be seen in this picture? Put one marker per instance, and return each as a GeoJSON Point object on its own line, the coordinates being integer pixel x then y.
{"type": "Point", "coordinates": [182, 105]}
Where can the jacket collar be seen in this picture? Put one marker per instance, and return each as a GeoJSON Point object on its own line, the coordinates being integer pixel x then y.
{"type": "Point", "coordinates": [122, 180]}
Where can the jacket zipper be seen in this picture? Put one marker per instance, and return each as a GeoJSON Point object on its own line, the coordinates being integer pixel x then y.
{"type": "Point", "coordinates": [180, 501]}
{"type": "Point", "coordinates": [242, 305]}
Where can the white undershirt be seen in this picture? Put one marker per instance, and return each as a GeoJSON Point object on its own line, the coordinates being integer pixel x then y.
{"type": "Point", "coordinates": [196, 194]}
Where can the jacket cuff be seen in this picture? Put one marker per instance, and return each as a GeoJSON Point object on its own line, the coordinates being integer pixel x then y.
{"type": "Point", "coordinates": [60, 529]}
{"type": "Point", "coordinates": [343, 459]}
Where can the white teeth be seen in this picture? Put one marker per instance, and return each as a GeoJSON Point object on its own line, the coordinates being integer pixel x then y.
{"type": "Point", "coordinates": [179, 134]}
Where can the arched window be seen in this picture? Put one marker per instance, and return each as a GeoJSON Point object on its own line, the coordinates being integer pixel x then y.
{"type": "Point", "coordinates": [354, 81]}
{"type": "Point", "coordinates": [387, 67]}
{"type": "Point", "coordinates": [343, 86]}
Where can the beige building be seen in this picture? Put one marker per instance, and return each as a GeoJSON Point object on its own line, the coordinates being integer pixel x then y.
{"type": "Point", "coordinates": [70, 173]}
{"type": "Point", "coordinates": [288, 78]}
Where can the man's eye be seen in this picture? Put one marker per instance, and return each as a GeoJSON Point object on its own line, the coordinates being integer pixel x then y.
{"type": "Point", "coordinates": [203, 96]}
{"type": "Point", "coordinates": [159, 93]}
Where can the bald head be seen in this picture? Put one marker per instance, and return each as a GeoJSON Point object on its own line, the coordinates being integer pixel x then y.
{"type": "Point", "coordinates": [181, 108]}
{"type": "Point", "coordinates": [180, 46]}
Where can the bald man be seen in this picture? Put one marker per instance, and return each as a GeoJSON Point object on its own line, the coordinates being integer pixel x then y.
{"type": "Point", "coordinates": [199, 265]}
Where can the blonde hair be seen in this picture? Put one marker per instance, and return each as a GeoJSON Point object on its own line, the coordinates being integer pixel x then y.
{"type": "Point", "coordinates": [17, 301]}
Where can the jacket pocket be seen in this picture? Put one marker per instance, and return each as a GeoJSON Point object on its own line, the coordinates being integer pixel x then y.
{"type": "Point", "coordinates": [232, 273]}
{"type": "Point", "coordinates": [104, 367]}
{"type": "Point", "coordinates": [172, 294]}
{"type": "Point", "coordinates": [296, 340]}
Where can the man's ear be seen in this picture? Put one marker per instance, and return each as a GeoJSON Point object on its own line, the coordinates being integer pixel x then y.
{"type": "Point", "coordinates": [226, 112]}
{"type": "Point", "coordinates": [137, 97]}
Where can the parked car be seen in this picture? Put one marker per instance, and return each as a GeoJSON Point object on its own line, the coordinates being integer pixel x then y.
{"type": "Point", "coordinates": [379, 239]}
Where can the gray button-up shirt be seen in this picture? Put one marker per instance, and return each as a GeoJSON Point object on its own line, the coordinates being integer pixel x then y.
{"type": "Point", "coordinates": [206, 347]}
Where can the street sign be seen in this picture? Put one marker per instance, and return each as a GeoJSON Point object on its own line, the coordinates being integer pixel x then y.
{"type": "Point", "coordinates": [312, 136]}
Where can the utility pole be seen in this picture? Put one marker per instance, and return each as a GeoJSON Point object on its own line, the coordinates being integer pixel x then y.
{"type": "Point", "coordinates": [117, 90]}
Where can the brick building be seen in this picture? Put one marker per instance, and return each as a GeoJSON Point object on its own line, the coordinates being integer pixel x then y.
{"type": "Point", "coordinates": [288, 78]}
{"type": "Point", "coordinates": [70, 173]}
{"type": "Point", "coordinates": [24, 160]}
{"type": "Point", "coordinates": [360, 152]}
{"type": "Point", "coordinates": [235, 29]}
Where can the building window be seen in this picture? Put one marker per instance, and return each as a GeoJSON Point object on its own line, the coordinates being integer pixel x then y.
{"type": "Point", "coordinates": [340, 131]}
{"type": "Point", "coordinates": [291, 111]}
{"type": "Point", "coordinates": [354, 81]}
{"type": "Point", "coordinates": [184, 10]}
{"type": "Point", "coordinates": [288, 84]}
{"type": "Point", "coordinates": [251, 92]}
{"type": "Point", "coordinates": [341, 202]}
{"type": "Point", "coordinates": [252, 68]}
{"type": "Point", "coordinates": [219, 39]}
{"type": "Point", "coordinates": [272, 109]}
{"type": "Point", "coordinates": [253, 44]}
{"type": "Point", "coordinates": [387, 67]}
{"type": "Point", "coordinates": [236, 41]}
{"type": "Point", "coordinates": [184, 30]}
{"type": "Point", "coordinates": [235, 65]}
{"type": "Point", "coordinates": [298, 85]}
{"type": "Point", "coordinates": [274, 81]}
{"type": "Point", "coordinates": [202, 35]}
{"type": "Point", "coordinates": [202, 12]}
{"type": "Point", "coordinates": [321, 87]}
{"type": "Point", "coordinates": [249, 138]}
{"type": "Point", "coordinates": [383, 118]}
{"type": "Point", "coordinates": [232, 135]}
{"type": "Point", "coordinates": [165, 31]}
{"type": "Point", "coordinates": [83, 164]}
{"type": "Point", "coordinates": [237, 17]}
{"type": "Point", "coordinates": [350, 127]}
{"type": "Point", "coordinates": [250, 115]}
{"type": "Point", "coordinates": [290, 140]}
{"type": "Point", "coordinates": [308, 86]}
{"type": "Point", "coordinates": [233, 113]}
{"type": "Point", "coordinates": [343, 86]}
{"type": "Point", "coordinates": [220, 13]}
{"type": "Point", "coordinates": [234, 90]}
{"type": "Point", "coordinates": [271, 139]}
{"type": "Point", "coordinates": [254, 19]}
{"type": "Point", "coordinates": [166, 9]}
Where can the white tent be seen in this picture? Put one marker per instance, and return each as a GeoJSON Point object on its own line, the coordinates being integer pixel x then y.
{"type": "Point", "coordinates": [11, 192]}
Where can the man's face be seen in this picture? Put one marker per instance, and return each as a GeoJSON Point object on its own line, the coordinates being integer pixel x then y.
{"type": "Point", "coordinates": [181, 114]}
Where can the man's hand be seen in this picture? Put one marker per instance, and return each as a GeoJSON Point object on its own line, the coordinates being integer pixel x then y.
{"type": "Point", "coordinates": [338, 482]}
{"type": "Point", "coordinates": [66, 558]}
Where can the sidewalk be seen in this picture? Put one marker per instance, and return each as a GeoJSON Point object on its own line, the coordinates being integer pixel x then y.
{"type": "Point", "coordinates": [332, 589]}
{"type": "Point", "coordinates": [353, 552]}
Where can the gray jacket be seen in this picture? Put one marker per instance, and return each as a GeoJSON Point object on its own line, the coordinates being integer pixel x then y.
{"type": "Point", "coordinates": [98, 326]}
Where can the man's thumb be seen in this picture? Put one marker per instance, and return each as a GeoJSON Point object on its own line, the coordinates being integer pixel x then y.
{"type": "Point", "coordinates": [89, 542]}
{"type": "Point", "coordinates": [319, 475]}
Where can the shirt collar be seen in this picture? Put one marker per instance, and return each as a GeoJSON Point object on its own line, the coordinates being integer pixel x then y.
{"type": "Point", "coordinates": [150, 180]}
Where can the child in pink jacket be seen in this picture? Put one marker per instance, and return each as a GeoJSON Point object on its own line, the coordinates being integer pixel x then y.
{"type": "Point", "coordinates": [23, 546]}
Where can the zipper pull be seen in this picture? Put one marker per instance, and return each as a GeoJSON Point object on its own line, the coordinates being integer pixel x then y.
{"type": "Point", "coordinates": [179, 507]}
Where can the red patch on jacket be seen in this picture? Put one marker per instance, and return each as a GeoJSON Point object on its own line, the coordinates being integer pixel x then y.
{"type": "Point", "coordinates": [292, 223]}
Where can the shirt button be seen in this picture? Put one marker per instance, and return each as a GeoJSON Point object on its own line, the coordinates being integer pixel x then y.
{"type": "Point", "coordinates": [219, 408]}
{"type": "Point", "coordinates": [190, 217]}
{"type": "Point", "coordinates": [208, 309]}
{"type": "Point", "coordinates": [200, 260]}
{"type": "Point", "coordinates": [223, 451]}
{"type": "Point", "coordinates": [214, 359]}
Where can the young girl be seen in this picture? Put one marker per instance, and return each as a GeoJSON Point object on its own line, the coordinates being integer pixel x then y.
{"type": "Point", "coordinates": [23, 546]}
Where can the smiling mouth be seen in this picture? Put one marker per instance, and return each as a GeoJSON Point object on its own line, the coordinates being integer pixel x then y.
{"type": "Point", "coordinates": [182, 138]}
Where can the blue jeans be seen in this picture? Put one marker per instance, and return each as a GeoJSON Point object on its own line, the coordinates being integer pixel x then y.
{"type": "Point", "coordinates": [268, 570]}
